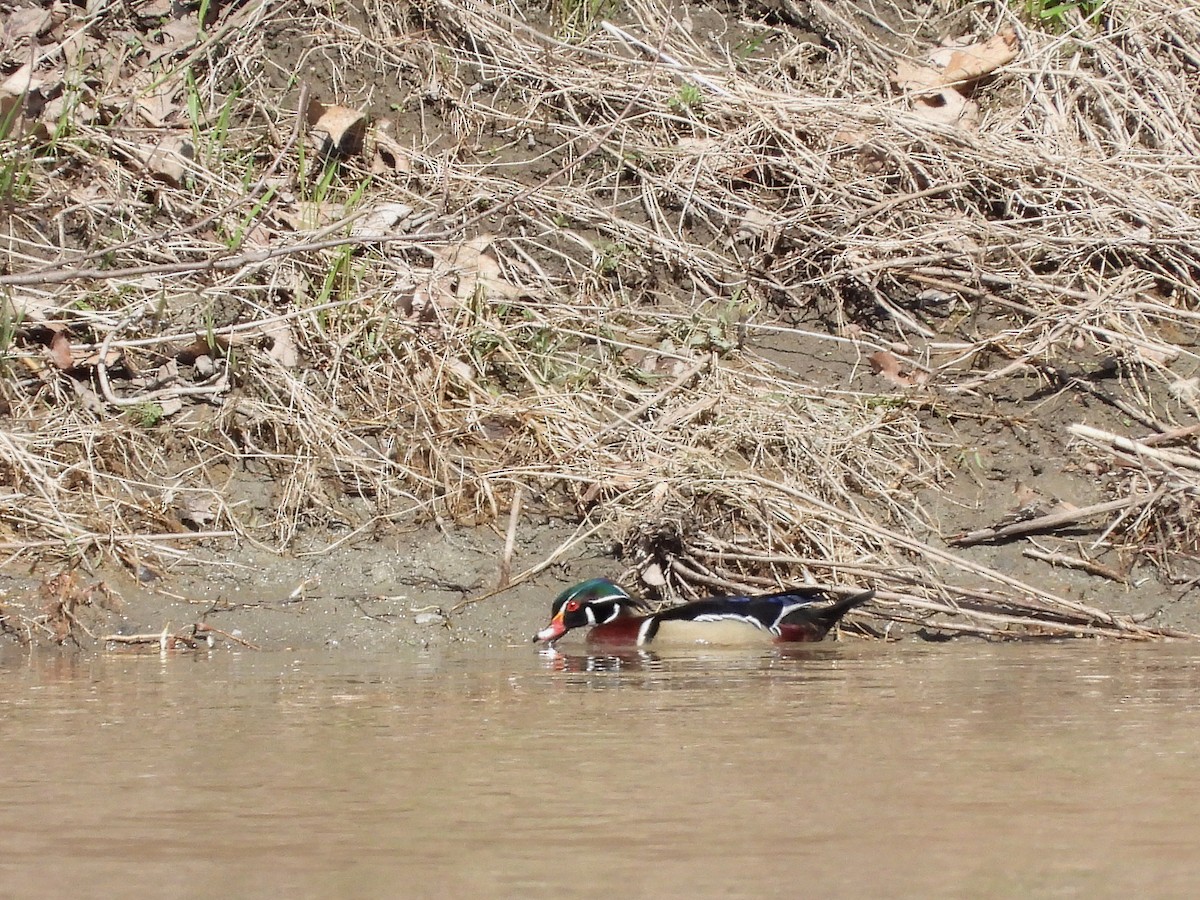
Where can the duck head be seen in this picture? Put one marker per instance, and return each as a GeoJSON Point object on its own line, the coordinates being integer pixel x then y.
{"type": "Point", "coordinates": [592, 602]}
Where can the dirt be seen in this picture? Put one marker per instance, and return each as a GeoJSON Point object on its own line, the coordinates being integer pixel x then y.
{"type": "Point", "coordinates": [414, 588]}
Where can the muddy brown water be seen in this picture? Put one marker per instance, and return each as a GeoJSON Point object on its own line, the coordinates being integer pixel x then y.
{"type": "Point", "coordinates": [844, 769]}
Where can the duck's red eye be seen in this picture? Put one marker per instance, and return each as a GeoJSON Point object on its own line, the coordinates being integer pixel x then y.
{"type": "Point", "coordinates": [572, 606]}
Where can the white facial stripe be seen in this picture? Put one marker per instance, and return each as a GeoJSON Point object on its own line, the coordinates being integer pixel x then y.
{"type": "Point", "coordinates": [591, 615]}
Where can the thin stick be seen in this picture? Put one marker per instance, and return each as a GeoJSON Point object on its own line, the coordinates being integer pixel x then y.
{"type": "Point", "coordinates": [665, 58]}
{"type": "Point", "coordinates": [203, 628]}
{"type": "Point", "coordinates": [510, 539]}
{"type": "Point", "coordinates": [1046, 522]}
{"type": "Point", "coordinates": [164, 639]}
{"type": "Point", "coordinates": [154, 638]}
{"type": "Point", "coordinates": [1075, 562]}
{"type": "Point", "coordinates": [93, 538]}
{"type": "Point", "coordinates": [578, 537]}
{"type": "Point", "coordinates": [891, 202]}
{"type": "Point", "coordinates": [1123, 627]}
{"type": "Point", "coordinates": [1172, 434]}
{"type": "Point", "coordinates": [631, 417]}
{"type": "Point", "coordinates": [1095, 435]}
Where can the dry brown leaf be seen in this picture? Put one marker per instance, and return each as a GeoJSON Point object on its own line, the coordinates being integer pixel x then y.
{"type": "Point", "coordinates": [19, 82]}
{"type": "Point", "coordinates": [156, 9]}
{"type": "Point", "coordinates": [169, 405]}
{"type": "Point", "coordinates": [947, 107]}
{"type": "Point", "coordinates": [491, 277]}
{"type": "Point", "coordinates": [213, 10]}
{"type": "Point", "coordinates": [65, 356]}
{"type": "Point", "coordinates": [9, 113]}
{"type": "Point", "coordinates": [85, 358]}
{"type": "Point", "coordinates": [31, 308]}
{"type": "Point", "coordinates": [962, 65]}
{"type": "Point", "coordinates": [463, 369]}
{"type": "Point", "coordinates": [653, 575]}
{"type": "Point", "coordinates": [177, 36]}
{"type": "Point", "coordinates": [156, 102]}
{"type": "Point", "coordinates": [161, 377]}
{"type": "Point", "coordinates": [169, 160]}
{"type": "Point", "coordinates": [390, 156]}
{"type": "Point", "coordinates": [59, 351]}
{"type": "Point", "coordinates": [851, 137]}
{"type": "Point", "coordinates": [381, 219]}
{"type": "Point", "coordinates": [26, 22]}
{"type": "Point", "coordinates": [755, 223]}
{"type": "Point", "coordinates": [957, 64]}
{"type": "Point", "coordinates": [196, 510]}
{"type": "Point", "coordinates": [1026, 495]}
{"type": "Point", "coordinates": [180, 33]}
{"type": "Point", "coordinates": [23, 99]}
{"type": "Point", "coordinates": [910, 76]}
{"type": "Point", "coordinates": [283, 347]}
{"type": "Point", "coordinates": [259, 236]}
{"type": "Point", "coordinates": [1157, 354]}
{"type": "Point", "coordinates": [65, 114]}
{"type": "Point", "coordinates": [306, 215]}
{"type": "Point", "coordinates": [422, 302]}
{"type": "Point", "coordinates": [887, 364]}
{"type": "Point", "coordinates": [478, 269]}
{"type": "Point", "coordinates": [76, 48]}
{"type": "Point", "coordinates": [336, 129]}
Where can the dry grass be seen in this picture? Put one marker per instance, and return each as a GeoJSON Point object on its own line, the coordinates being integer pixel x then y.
{"type": "Point", "coordinates": [595, 234]}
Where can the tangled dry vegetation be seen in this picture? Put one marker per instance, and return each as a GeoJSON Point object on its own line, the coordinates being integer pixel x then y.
{"type": "Point", "coordinates": [441, 258]}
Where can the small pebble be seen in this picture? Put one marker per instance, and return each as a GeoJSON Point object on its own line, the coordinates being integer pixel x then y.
{"type": "Point", "coordinates": [430, 618]}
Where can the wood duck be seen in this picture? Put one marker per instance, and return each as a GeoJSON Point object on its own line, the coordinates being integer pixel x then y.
{"type": "Point", "coordinates": [616, 618]}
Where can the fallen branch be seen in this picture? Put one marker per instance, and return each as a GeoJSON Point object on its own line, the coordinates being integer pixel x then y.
{"type": "Point", "coordinates": [168, 641]}
{"type": "Point", "coordinates": [1045, 523]}
{"type": "Point", "coordinates": [1138, 448]}
{"type": "Point", "coordinates": [164, 639]}
{"type": "Point", "coordinates": [1075, 562]}
{"type": "Point", "coordinates": [202, 628]}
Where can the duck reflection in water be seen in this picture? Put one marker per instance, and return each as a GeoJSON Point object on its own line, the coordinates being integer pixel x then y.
{"type": "Point", "coordinates": [679, 660]}
{"type": "Point", "coordinates": [632, 660]}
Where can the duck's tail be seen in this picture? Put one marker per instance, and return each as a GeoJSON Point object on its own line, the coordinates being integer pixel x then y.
{"type": "Point", "coordinates": [809, 624]}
